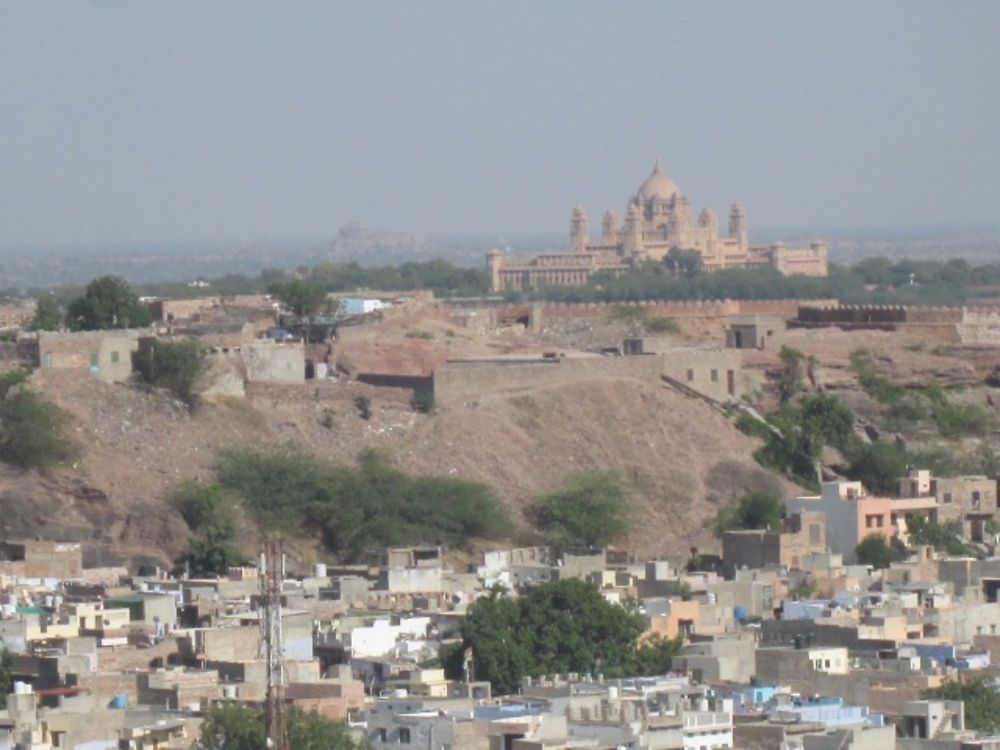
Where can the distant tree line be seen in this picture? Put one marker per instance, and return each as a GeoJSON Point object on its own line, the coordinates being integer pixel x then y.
{"type": "Point", "coordinates": [679, 276]}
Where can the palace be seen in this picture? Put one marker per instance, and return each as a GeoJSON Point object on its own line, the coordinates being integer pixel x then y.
{"type": "Point", "coordinates": [658, 219]}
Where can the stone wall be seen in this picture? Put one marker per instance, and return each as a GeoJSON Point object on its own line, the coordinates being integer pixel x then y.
{"type": "Point", "coordinates": [980, 326]}
{"type": "Point", "coordinates": [457, 382]}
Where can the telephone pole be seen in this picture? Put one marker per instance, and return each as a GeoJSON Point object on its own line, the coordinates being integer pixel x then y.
{"type": "Point", "coordinates": [272, 574]}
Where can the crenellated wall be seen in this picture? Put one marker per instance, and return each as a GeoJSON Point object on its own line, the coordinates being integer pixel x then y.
{"type": "Point", "coordinates": [539, 313]}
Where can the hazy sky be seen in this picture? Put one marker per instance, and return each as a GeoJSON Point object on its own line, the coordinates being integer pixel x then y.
{"type": "Point", "coordinates": [163, 121]}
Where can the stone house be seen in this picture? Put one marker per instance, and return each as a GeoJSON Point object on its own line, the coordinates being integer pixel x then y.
{"type": "Point", "coordinates": [850, 513]}
{"type": "Point", "coordinates": [105, 354]}
{"type": "Point", "coordinates": [38, 559]}
{"type": "Point", "coordinates": [800, 534]}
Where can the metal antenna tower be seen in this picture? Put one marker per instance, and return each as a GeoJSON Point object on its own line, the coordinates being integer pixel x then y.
{"type": "Point", "coordinates": [272, 574]}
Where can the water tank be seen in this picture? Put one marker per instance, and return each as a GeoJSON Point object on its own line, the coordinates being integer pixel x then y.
{"type": "Point", "coordinates": [319, 570]}
{"type": "Point", "coordinates": [612, 692]}
{"type": "Point", "coordinates": [739, 613]}
{"type": "Point", "coordinates": [119, 701]}
{"type": "Point", "coordinates": [399, 693]}
{"type": "Point", "coordinates": [230, 691]}
{"type": "Point", "coordinates": [22, 688]}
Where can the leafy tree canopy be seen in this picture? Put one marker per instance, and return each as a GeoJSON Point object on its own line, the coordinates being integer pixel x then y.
{"type": "Point", "coordinates": [587, 509]}
{"type": "Point", "coordinates": [753, 511]}
{"type": "Point", "coordinates": [944, 537]}
{"type": "Point", "coordinates": [48, 314]}
{"type": "Point", "coordinates": [210, 514]}
{"type": "Point", "coordinates": [174, 365]}
{"type": "Point", "coordinates": [232, 726]}
{"type": "Point", "coordinates": [108, 302]}
{"type": "Point", "coordinates": [6, 676]}
{"type": "Point", "coordinates": [561, 626]}
{"type": "Point", "coordinates": [877, 551]}
{"type": "Point", "coordinates": [302, 296]}
{"type": "Point", "coordinates": [981, 698]}
{"type": "Point", "coordinates": [879, 466]}
{"type": "Point", "coordinates": [33, 431]}
{"type": "Point", "coordinates": [358, 507]}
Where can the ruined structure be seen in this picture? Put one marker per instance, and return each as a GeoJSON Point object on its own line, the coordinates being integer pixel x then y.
{"type": "Point", "coordinates": [658, 219]}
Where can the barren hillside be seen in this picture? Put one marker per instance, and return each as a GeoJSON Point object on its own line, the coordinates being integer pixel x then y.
{"type": "Point", "coordinates": [683, 457]}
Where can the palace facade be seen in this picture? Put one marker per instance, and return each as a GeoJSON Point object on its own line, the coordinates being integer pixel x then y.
{"type": "Point", "coordinates": [657, 220]}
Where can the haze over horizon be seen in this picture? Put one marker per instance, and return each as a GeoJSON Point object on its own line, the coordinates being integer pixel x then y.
{"type": "Point", "coordinates": [188, 121]}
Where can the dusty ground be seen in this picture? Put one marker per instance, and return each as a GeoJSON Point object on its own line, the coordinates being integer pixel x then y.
{"type": "Point", "coordinates": [682, 456]}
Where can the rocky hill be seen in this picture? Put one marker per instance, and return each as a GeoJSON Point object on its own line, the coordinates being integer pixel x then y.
{"type": "Point", "coordinates": [683, 457]}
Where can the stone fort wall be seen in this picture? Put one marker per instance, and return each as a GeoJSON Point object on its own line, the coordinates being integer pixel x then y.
{"type": "Point", "coordinates": [966, 325]}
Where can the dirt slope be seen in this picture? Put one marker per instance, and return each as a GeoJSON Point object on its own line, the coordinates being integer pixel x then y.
{"type": "Point", "coordinates": [683, 457]}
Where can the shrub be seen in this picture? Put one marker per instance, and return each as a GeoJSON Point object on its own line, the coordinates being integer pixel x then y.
{"type": "Point", "coordinates": [753, 511]}
{"type": "Point", "coordinates": [355, 507]}
{"type": "Point", "coordinates": [174, 365]}
{"type": "Point", "coordinates": [586, 509]}
{"type": "Point", "coordinates": [661, 325]}
{"type": "Point", "coordinates": [790, 378]}
{"type": "Point", "coordinates": [33, 432]}
{"type": "Point", "coordinates": [879, 466]}
{"type": "Point", "coordinates": [363, 404]}
{"type": "Point", "coordinates": [422, 401]}
{"type": "Point", "coordinates": [876, 551]}
{"type": "Point", "coordinates": [956, 420]}
{"type": "Point", "coordinates": [210, 514]}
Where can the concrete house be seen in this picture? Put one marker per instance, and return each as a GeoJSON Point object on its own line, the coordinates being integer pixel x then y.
{"type": "Point", "coordinates": [105, 354]}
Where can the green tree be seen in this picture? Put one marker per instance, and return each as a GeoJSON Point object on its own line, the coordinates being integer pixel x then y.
{"type": "Point", "coordinates": [48, 314]}
{"type": "Point", "coordinates": [753, 511]}
{"type": "Point", "coordinates": [879, 466]}
{"type": "Point", "coordinates": [655, 655]}
{"type": "Point", "coordinates": [108, 302]}
{"type": "Point", "coordinates": [174, 365]}
{"type": "Point", "coordinates": [561, 626]}
{"type": "Point", "coordinates": [231, 726]}
{"type": "Point", "coordinates": [501, 652]}
{"type": "Point", "coordinates": [981, 698]}
{"type": "Point", "coordinates": [357, 507]}
{"type": "Point", "coordinates": [301, 296]}
{"type": "Point", "coordinates": [6, 676]}
{"type": "Point", "coordinates": [682, 262]}
{"type": "Point", "coordinates": [209, 513]}
{"type": "Point", "coordinates": [790, 377]}
{"type": "Point", "coordinates": [828, 419]}
{"type": "Point", "coordinates": [876, 551]}
{"type": "Point", "coordinates": [944, 537]}
{"type": "Point", "coordinates": [587, 509]}
{"type": "Point", "coordinates": [33, 432]}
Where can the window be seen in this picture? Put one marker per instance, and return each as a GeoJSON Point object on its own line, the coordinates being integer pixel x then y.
{"type": "Point", "coordinates": [114, 358]}
{"type": "Point", "coordinates": [977, 498]}
{"type": "Point", "coordinates": [404, 736]}
{"type": "Point", "coordinates": [93, 360]}
{"type": "Point", "coordinates": [47, 359]}
{"type": "Point", "coordinates": [815, 533]}
{"type": "Point", "coordinates": [382, 735]}
{"type": "Point", "coordinates": [690, 375]}
{"type": "Point", "coordinates": [947, 497]}
{"type": "Point", "coordinates": [715, 376]}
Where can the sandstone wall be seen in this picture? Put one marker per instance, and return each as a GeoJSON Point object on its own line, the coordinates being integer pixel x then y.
{"type": "Point", "coordinates": [457, 382]}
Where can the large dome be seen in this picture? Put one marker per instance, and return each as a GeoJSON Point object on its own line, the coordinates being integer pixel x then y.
{"type": "Point", "coordinates": [658, 185]}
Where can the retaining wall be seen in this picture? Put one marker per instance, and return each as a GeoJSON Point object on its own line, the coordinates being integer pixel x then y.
{"type": "Point", "coordinates": [457, 382]}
